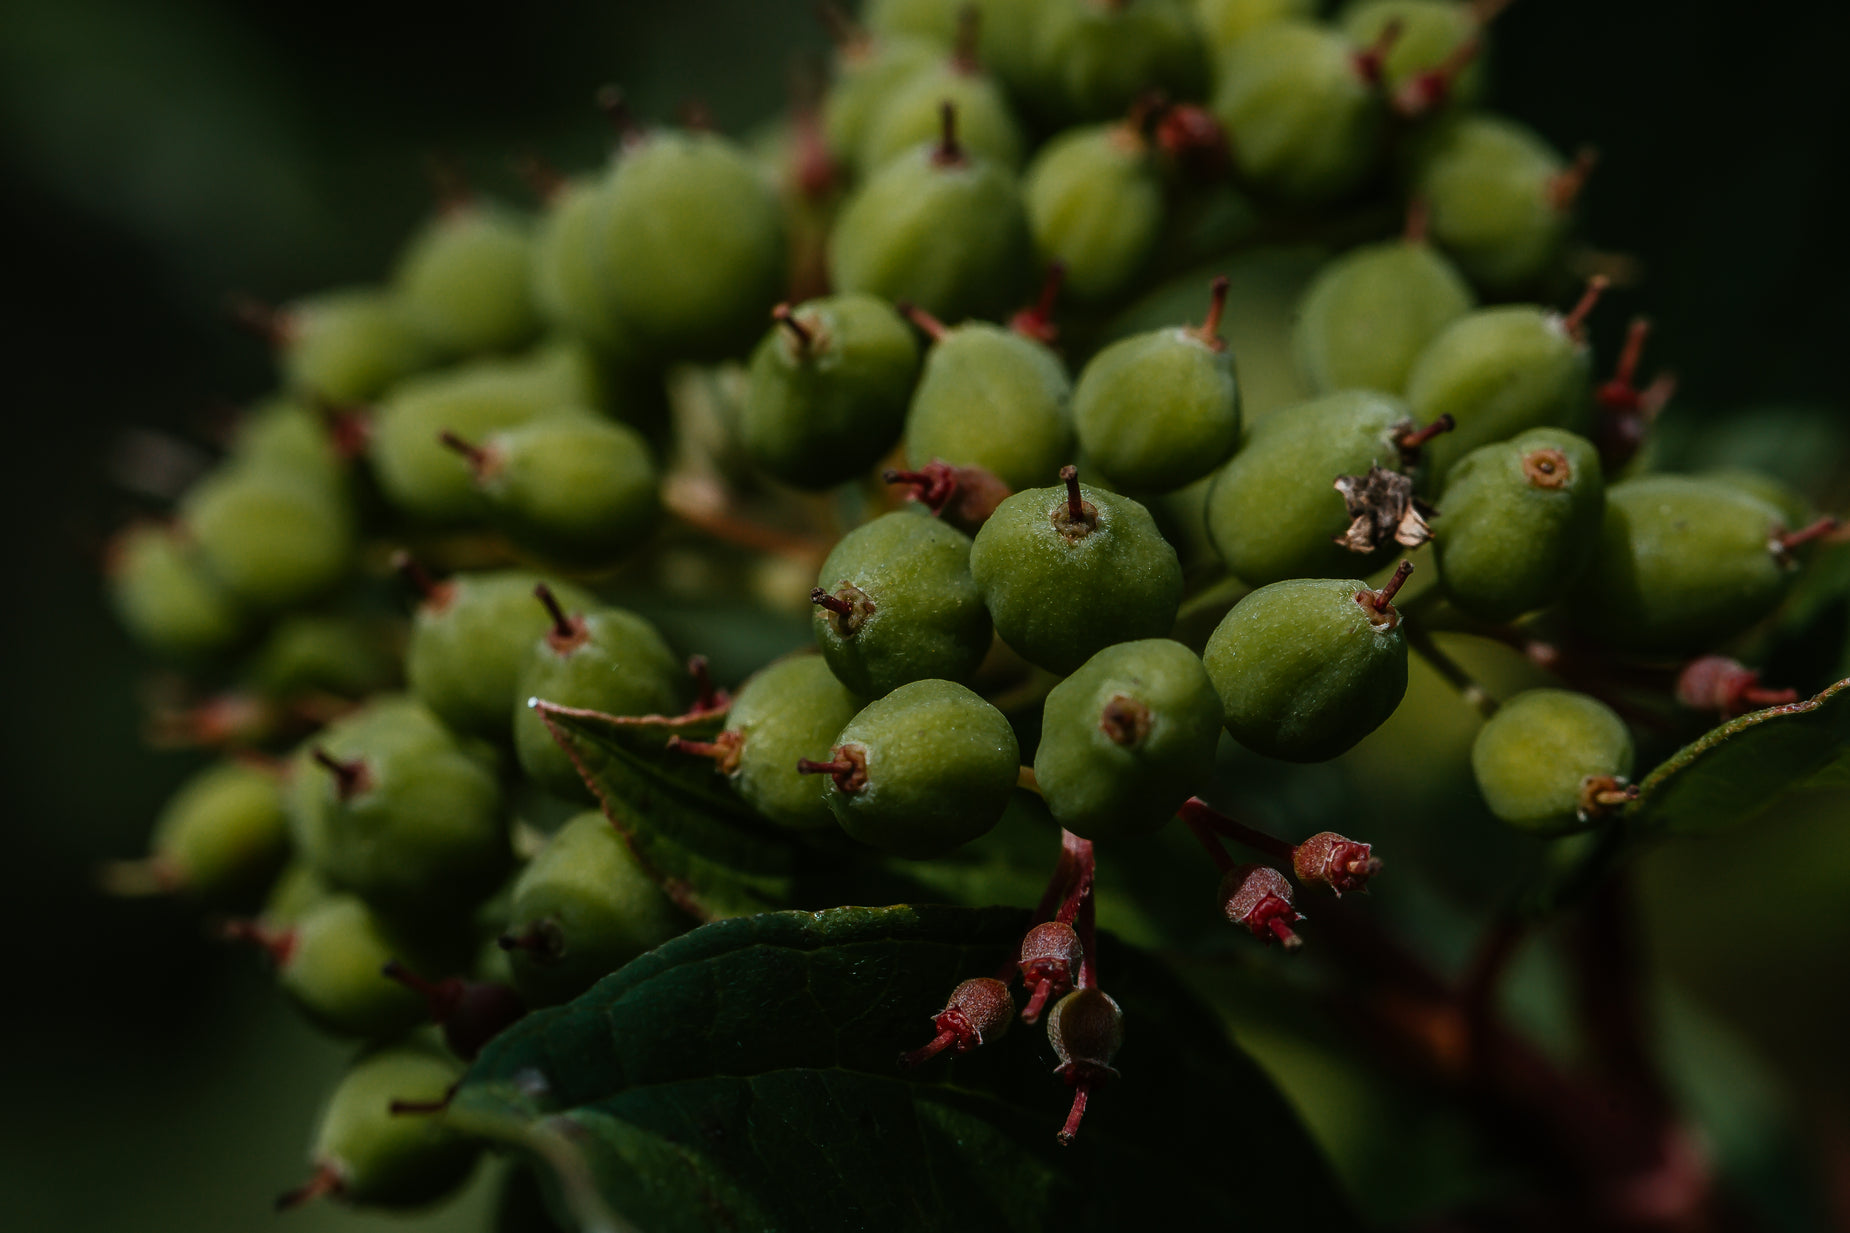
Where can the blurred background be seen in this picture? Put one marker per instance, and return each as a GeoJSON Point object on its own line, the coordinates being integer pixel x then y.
{"type": "Point", "coordinates": [159, 156]}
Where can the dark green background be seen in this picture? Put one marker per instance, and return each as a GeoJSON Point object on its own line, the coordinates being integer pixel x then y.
{"type": "Point", "coordinates": [158, 155]}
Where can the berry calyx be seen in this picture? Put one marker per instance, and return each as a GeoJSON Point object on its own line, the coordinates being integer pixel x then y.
{"type": "Point", "coordinates": [979, 1010]}
{"type": "Point", "coordinates": [435, 596]}
{"type": "Point", "coordinates": [1051, 955]}
{"type": "Point", "coordinates": [1125, 721]}
{"type": "Point", "coordinates": [1086, 1030]}
{"type": "Point", "coordinates": [1380, 604]}
{"type": "Point", "coordinates": [725, 749]}
{"type": "Point", "coordinates": [1208, 332]}
{"type": "Point", "coordinates": [351, 777]}
{"type": "Point", "coordinates": [1718, 683]}
{"type": "Point", "coordinates": [1036, 320]}
{"type": "Point", "coordinates": [848, 607]}
{"type": "Point", "coordinates": [1258, 899]}
{"type": "Point", "coordinates": [1077, 517]}
{"type": "Point", "coordinates": [1430, 90]}
{"type": "Point", "coordinates": [1547, 468]}
{"type": "Point", "coordinates": [965, 497]}
{"type": "Point", "coordinates": [848, 768]}
{"type": "Point", "coordinates": [1336, 861]}
{"type": "Point", "coordinates": [1604, 795]}
{"type": "Point", "coordinates": [568, 633]}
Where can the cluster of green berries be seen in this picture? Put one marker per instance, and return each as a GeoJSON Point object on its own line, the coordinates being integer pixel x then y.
{"type": "Point", "coordinates": [678, 358]}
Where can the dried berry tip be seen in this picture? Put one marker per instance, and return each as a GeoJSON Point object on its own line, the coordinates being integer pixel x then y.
{"type": "Point", "coordinates": [350, 778]}
{"type": "Point", "coordinates": [1601, 795]}
{"type": "Point", "coordinates": [725, 749]}
{"type": "Point", "coordinates": [804, 337]}
{"type": "Point", "coordinates": [278, 944]}
{"type": "Point", "coordinates": [567, 633]}
{"type": "Point", "coordinates": [848, 767]}
{"type": "Point", "coordinates": [1575, 323]}
{"type": "Point", "coordinates": [1784, 544]}
{"type": "Point", "coordinates": [1370, 60]}
{"type": "Point", "coordinates": [707, 696]}
{"type": "Point", "coordinates": [1547, 468]}
{"type": "Point", "coordinates": [270, 324]}
{"type": "Point", "coordinates": [822, 599]}
{"type": "Point", "coordinates": [434, 593]}
{"type": "Point", "coordinates": [964, 46]}
{"type": "Point", "coordinates": [948, 153]}
{"type": "Point", "coordinates": [1419, 221]}
{"type": "Point", "coordinates": [1125, 721]}
{"type": "Point", "coordinates": [1412, 438]}
{"type": "Point", "coordinates": [616, 108]}
{"type": "Point", "coordinates": [1036, 321]}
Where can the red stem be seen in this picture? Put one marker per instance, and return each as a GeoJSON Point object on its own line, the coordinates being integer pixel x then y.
{"type": "Point", "coordinates": [562, 628]}
{"type": "Point", "coordinates": [1084, 867]}
{"type": "Point", "coordinates": [835, 604]}
{"type": "Point", "coordinates": [1075, 503]}
{"type": "Point", "coordinates": [938, 1044]}
{"type": "Point", "coordinates": [1203, 817]}
{"type": "Point", "coordinates": [1070, 1131]}
{"type": "Point", "coordinates": [1575, 322]}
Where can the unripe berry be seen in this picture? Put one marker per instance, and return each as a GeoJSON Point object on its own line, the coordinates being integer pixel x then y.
{"type": "Point", "coordinates": [342, 346]}
{"type": "Point", "coordinates": [829, 387]}
{"type": "Point", "coordinates": [1156, 411]}
{"type": "Point", "coordinates": [1067, 571]}
{"type": "Point", "coordinates": [787, 712]}
{"type": "Point", "coordinates": [1095, 205]}
{"type": "Point", "coordinates": [1127, 738]}
{"type": "Point", "coordinates": [566, 286]}
{"type": "Point", "coordinates": [992, 398]}
{"type": "Point", "coordinates": [979, 1011]}
{"type": "Point", "coordinates": [909, 115]}
{"type": "Point", "coordinates": [1093, 60]}
{"type": "Point", "coordinates": [895, 602]}
{"type": "Point", "coordinates": [1521, 517]}
{"type": "Point", "coordinates": [1225, 22]}
{"type": "Point", "coordinates": [270, 539]}
{"type": "Point", "coordinates": [1258, 899]}
{"type": "Point", "coordinates": [1364, 321]}
{"type": "Point", "coordinates": [922, 771]}
{"type": "Point", "coordinates": [1551, 761]}
{"type": "Point", "coordinates": [330, 961]}
{"type": "Point", "coordinates": [689, 246]}
{"type": "Point", "coordinates": [162, 593]}
{"type": "Point", "coordinates": [367, 1155]}
{"type": "Point", "coordinates": [937, 227]}
{"type": "Point", "coordinates": [1435, 58]}
{"type": "Point", "coordinates": [1308, 667]}
{"type": "Point", "coordinates": [466, 280]}
{"type": "Point", "coordinates": [220, 838]}
{"type": "Point", "coordinates": [867, 72]}
{"type": "Point", "coordinates": [582, 908]}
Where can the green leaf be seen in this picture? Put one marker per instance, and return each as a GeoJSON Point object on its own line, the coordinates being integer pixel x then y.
{"type": "Point", "coordinates": [745, 1076]}
{"type": "Point", "coordinates": [710, 853]}
{"type": "Point", "coordinates": [1728, 775]}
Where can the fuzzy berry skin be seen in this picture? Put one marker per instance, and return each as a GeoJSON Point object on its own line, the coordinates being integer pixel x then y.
{"type": "Point", "coordinates": [1086, 1030]}
{"type": "Point", "coordinates": [1127, 738]}
{"type": "Point", "coordinates": [368, 1156]}
{"type": "Point", "coordinates": [915, 612]}
{"type": "Point", "coordinates": [1541, 755]}
{"type": "Point", "coordinates": [1368, 314]}
{"type": "Point", "coordinates": [1305, 669]}
{"type": "Point", "coordinates": [1095, 204]}
{"type": "Point", "coordinates": [1159, 410]}
{"type": "Point", "coordinates": [1680, 565]}
{"type": "Point", "coordinates": [1258, 898]}
{"type": "Point", "coordinates": [789, 710]}
{"type": "Point", "coordinates": [572, 487]}
{"type": "Point", "coordinates": [1520, 521]}
{"type": "Point", "coordinates": [1335, 861]}
{"type": "Point", "coordinates": [223, 835]}
{"type": "Point", "coordinates": [989, 397]}
{"type": "Point", "coordinates": [466, 281]}
{"type": "Point", "coordinates": [1063, 589]}
{"type": "Point", "coordinates": [1497, 206]}
{"type": "Point", "coordinates": [348, 346]}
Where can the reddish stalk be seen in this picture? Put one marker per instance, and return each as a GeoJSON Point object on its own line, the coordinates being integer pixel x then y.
{"type": "Point", "coordinates": [1036, 321]}
{"type": "Point", "coordinates": [1208, 332]}
{"type": "Point", "coordinates": [326, 1182]}
{"type": "Point", "coordinates": [1575, 322]}
{"type": "Point", "coordinates": [1207, 821]}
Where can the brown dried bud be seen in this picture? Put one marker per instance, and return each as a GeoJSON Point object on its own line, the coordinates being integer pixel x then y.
{"type": "Point", "coordinates": [1338, 862]}
{"type": "Point", "coordinates": [1125, 721]}
{"type": "Point", "coordinates": [1050, 956]}
{"type": "Point", "coordinates": [1258, 899]}
{"type": "Point", "coordinates": [979, 1009]}
{"type": "Point", "coordinates": [1382, 507]}
{"type": "Point", "coordinates": [1547, 468]}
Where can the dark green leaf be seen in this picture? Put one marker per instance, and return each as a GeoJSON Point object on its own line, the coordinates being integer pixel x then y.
{"type": "Point", "coordinates": [744, 1076]}
{"type": "Point", "coordinates": [1733, 772]}
{"type": "Point", "coordinates": [711, 854]}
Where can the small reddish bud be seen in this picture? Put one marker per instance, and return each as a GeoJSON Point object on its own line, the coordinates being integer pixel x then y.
{"type": "Point", "coordinates": [1050, 957]}
{"type": "Point", "coordinates": [1086, 1030]}
{"type": "Point", "coordinates": [965, 497]}
{"type": "Point", "coordinates": [1717, 683]}
{"type": "Point", "coordinates": [1258, 899]}
{"type": "Point", "coordinates": [1036, 321]}
{"type": "Point", "coordinates": [979, 1010]}
{"type": "Point", "coordinates": [471, 1012]}
{"type": "Point", "coordinates": [1189, 134]}
{"type": "Point", "coordinates": [1337, 862]}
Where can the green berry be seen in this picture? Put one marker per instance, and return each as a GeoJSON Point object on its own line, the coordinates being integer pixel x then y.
{"type": "Point", "coordinates": [1500, 199]}
{"type": "Point", "coordinates": [220, 838]}
{"type": "Point", "coordinates": [1307, 667]}
{"type": "Point", "coordinates": [991, 398]}
{"type": "Point", "coordinates": [583, 908]}
{"type": "Point", "coordinates": [1501, 371]}
{"type": "Point", "coordinates": [1093, 60]}
{"type": "Point", "coordinates": [937, 20]}
{"type": "Point", "coordinates": [1069, 570]}
{"type": "Point", "coordinates": [601, 659]}
{"type": "Point", "coordinates": [828, 392]}
{"type": "Point", "coordinates": [896, 603]}
{"type": "Point", "coordinates": [468, 641]}
{"type": "Point", "coordinates": [370, 1156]}
{"type": "Point", "coordinates": [788, 711]}
{"type": "Point", "coordinates": [1159, 410]}
{"type": "Point", "coordinates": [311, 653]}
{"type": "Point", "coordinates": [1681, 564]}
{"type": "Point", "coordinates": [466, 280]}
{"type": "Point", "coordinates": [566, 287]}
{"type": "Point", "coordinates": [570, 487]}
{"type": "Point", "coordinates": [287, 435]}
{"type": "Point", "coordinates": [911, 115]}
{"type": "Point", "coordinates": [163, 594]}
{"type": "Point", "coordinates": [1372, 311]}
{"type": "Point", "coordinates": [297, 889]}
{"type": "Point", "coordinates": [344, 346]}
{"type": "Point", "coordinates": [1435, 56]}
{"type": "Point", "coordinates": [921, 771]}
{"type": "Point", "coordinates": [1095, 205]}
{"type": "Point", "coordinates": [689, 246]}
{"type": "Point", "coordinates": [330, 960]}
{"type": "Point", "coordinates": [418, 474]}
{"type": "Point", "coordinates": [1225, 22]}
{"type": "Point", "coordinates": [937, 227]}
{"type": "Point", "coordinates": [1551, 761]}
{"type": "Point", "coordinates": [270, 539]}
{"type": "Point", "coordinates": [867, 72]}
{"type": "Point", "coordinates": [1273, 512]}
{"type": "Point", "coordinates": [1304, 119]}
{"type": "Point", "coordinates": [1520, 519]}
{"type": "Point", "coordinates": [1127, 738]}
{"type": "Point", "coordinates": [386, 803]}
